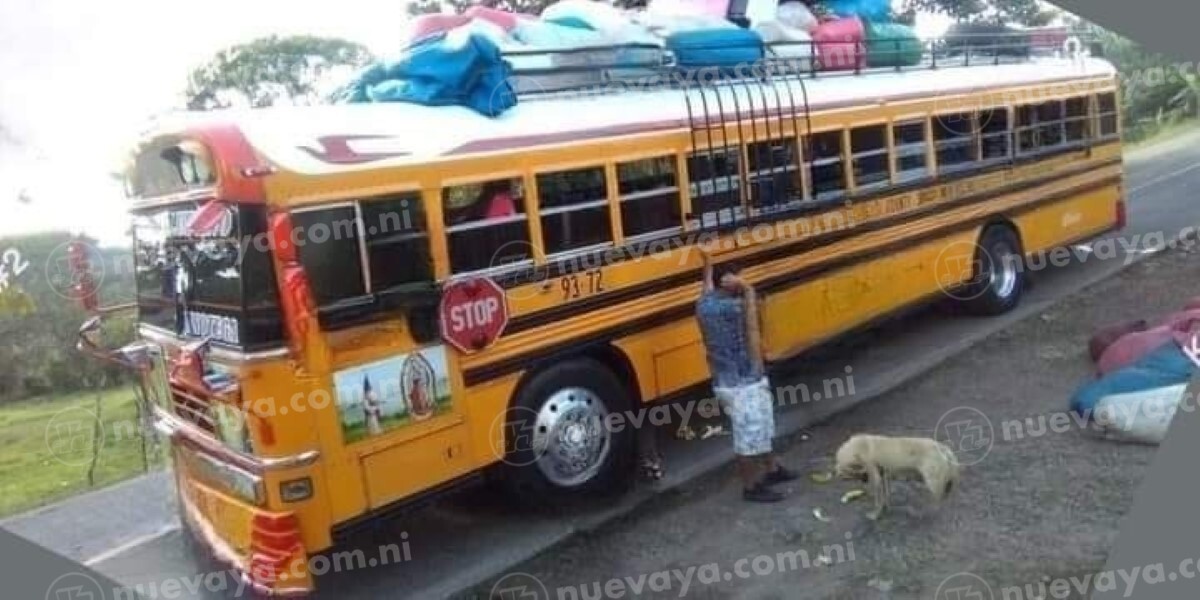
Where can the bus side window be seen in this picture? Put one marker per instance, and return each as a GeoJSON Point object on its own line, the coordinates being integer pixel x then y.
{"type": "Point", "coordinates": [1027, 130]}
{"type": "Point", "coordinates": [825, 168]}
{"type": "Point", "coordinates": [954, 136]}
{"type": "Point", "coordinates": [486, 225]}
{"type": "Point", "coordinates": [1050, 115]}
{"type": "Point", "coordinates": [1106, 108]}
{"type": "Point", "coordinates": [328, 248]}
{"type": "Point", "coordinates": [994, 133]}
{"type": "Point", "coordinates": [397, 243]}
{"type": "Point", "coordinates": [574, 209]}
{"type": "Point", "coordinates": [1077, 120]}
{"type": "Point", "coordinates": [715, 183]}
{"type": "Point", "coordinates": [868, 147]}
{"type": "Point", "coordinates": [649, 191]}
{"type": "Point", "coordinates": [774, 174]}
{"type": "Point", "coordinates": [909, 140]}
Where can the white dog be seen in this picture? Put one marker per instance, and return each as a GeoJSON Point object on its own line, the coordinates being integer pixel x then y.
{"type": "Point", "coordinates": [874, 458]}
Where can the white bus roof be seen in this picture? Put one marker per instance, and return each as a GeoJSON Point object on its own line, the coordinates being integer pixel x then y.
{"type": "Point", "coordinates": [302, 139]}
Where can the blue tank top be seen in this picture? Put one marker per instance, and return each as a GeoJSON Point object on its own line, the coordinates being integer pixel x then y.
{"type": "Point", "coordinates": [722, 319]}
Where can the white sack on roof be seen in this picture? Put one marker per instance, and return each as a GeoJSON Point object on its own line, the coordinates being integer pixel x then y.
{"type": "Point", "coordinates": [797, 16]}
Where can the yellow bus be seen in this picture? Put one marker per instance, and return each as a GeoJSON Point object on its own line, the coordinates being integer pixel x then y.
{"type": "Point", "coordinates": [322, 282]}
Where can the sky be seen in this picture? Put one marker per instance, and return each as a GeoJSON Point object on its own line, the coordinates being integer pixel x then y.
{"type": "Point", "coordinates": [79, 79]}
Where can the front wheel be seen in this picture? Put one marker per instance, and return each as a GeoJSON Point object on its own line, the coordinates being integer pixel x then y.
{"type": "Point", "coordinates": [999, 276]}
{"type": "Point", "coordinates": [559, 440]}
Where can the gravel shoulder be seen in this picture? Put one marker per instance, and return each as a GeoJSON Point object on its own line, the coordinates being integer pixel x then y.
{"type": "Point", "coordinates": [1043, 502]}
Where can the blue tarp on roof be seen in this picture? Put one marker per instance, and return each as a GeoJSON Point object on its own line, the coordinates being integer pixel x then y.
{"type": "Point", "coordinates": [441, 71]}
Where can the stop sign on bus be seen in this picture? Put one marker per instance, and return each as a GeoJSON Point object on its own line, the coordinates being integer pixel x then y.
{"type": "Point", "coordinates": [473, 313]}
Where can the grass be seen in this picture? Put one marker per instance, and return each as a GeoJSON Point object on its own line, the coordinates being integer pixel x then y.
{"type": "Point", "coordinates": [46, 446]}
{"type": "Point", "coordinates": [1161, 133]}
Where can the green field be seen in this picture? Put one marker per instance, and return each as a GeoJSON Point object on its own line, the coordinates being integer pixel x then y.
{"type": "Point", "coordinates": [46, 446]}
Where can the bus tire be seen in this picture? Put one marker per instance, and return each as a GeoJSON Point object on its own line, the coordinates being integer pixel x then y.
{"type": "Point", "coordinates": [559, 442]}
{"type": "Point", "coordinates": [999, 277]}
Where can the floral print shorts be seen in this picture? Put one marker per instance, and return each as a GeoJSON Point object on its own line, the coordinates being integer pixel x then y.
{"type": "Point", "coordinates": [751, 412]}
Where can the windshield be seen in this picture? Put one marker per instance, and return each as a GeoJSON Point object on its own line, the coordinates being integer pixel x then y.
{"type": "Point", "coordinates": [200, 275]}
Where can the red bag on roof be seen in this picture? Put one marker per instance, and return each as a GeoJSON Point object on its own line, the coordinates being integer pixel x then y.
{"type": "Point", "coordinates": [840, 44]}
{"type": "Point", "coordinates": [427, 25]}
{"type": "Point", "coordinates": [503, 18]}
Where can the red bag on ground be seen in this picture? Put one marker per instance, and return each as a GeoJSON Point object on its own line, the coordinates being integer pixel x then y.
{"type": "Point", "coordinates": [840, 44]}
{"type": "Point", "coordinates": [1132, 347]}
{"type": "Point", "coordinates": [1102, 339]}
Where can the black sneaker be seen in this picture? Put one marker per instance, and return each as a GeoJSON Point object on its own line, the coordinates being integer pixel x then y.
{"type": "Point", "coordinates": [780, 475]}
{"type": "Point", "coordinates": [761, 493]}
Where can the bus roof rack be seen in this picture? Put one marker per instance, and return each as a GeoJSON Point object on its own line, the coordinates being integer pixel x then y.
{"type": "Point", "coordinates": [619, 67]}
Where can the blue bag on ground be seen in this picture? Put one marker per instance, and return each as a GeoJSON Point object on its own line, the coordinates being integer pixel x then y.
{"type": "Point", "coordinates": [724, 48]}
{"type": "Point", "coordinates": [441, 71]}
{"type": "Point", "coordinates": [1164, 367]}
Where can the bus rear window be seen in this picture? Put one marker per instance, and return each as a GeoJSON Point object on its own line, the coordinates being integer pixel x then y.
{"type": "Point", "coordinates": [214, 283]}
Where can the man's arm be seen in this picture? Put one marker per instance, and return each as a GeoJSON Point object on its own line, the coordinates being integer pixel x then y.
{"type": "Point", "coordinates": [753, 325]}
{"type": "Point", "coordinates": [708, 270]}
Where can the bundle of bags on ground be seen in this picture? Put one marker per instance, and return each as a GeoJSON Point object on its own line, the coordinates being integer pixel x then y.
{"type": "Point", "coordinates": [1143, 370]}
{"type": "Point", "coordinates": [470, 59]}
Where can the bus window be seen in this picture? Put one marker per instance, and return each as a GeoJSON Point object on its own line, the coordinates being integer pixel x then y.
{"type": "Point", "coordinates": [715, 177]}
{"type": "Point", "coordinates": [954, 138]}
{"type": "Point", "coordinates": [774, 173]}
{"type": "Point", "coordinates": [994, 133]}
{"type": "Point", "coordinates": [397, 243]}
{"type": "Point", "coordinates": [486, 225]}
{"type": "Point", "coordinates": [868, 146]}
{"type": "Point", "coordinates": [1027, 131]}
{"type": "Point", "coordinates": [574, 209]}
{"type": "Point", "coordinates": [826, 169]}
{"type": "Point", "coordinates": [1050, 116]}
{"type": "Point", "coordinates": [1106, 105]}
{"type": "Point", "coordinates": [649, 193]}
{"type": "Point", "coordinates": [327, 245]}
{"type": "Point", "coordinates": [909, 141]}
{"type": "Point", "coordinates": [1077, 119]}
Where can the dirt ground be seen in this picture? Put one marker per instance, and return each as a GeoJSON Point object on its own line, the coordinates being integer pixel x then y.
{"type": "Point", "coordinates": [1035, 505]}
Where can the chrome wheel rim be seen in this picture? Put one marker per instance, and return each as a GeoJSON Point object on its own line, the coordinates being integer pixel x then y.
{"type": "Point", "coordinates": [1003, 273]}
{"type": "Point", "coordinates": [570, 439]}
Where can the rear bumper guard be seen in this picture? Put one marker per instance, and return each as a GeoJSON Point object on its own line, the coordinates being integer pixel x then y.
{"type": "Point", "coordinates": [180, 431]}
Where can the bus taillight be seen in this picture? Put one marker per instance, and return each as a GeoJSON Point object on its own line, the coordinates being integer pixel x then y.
{"type": "Point", "coordinates": [276, 549]}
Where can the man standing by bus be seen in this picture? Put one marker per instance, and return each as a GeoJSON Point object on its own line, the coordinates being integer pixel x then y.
{"type": "Point", "coordinates": [728, 315]}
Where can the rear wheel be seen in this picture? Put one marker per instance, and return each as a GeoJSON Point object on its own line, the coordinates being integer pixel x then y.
{"type": "Point", "coordinates": [559, 444]}
{"type": "Point", "coordinates": [999, 277]}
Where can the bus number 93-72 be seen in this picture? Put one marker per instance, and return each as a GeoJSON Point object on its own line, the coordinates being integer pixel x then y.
{"type": "Point", "coordinates": [587, 283]}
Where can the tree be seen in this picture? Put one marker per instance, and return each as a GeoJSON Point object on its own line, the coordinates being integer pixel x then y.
{"type": "Point", "coordinates": [271, 70]}
{"type": "Point", "coordinates": [1025, 12]}
{"type": "Point", "coordinates": [1155, 90]}
{"type": "Point", "coordinates": [1011, 12]}
{"type": "Point", "coordinates": [532, 7]}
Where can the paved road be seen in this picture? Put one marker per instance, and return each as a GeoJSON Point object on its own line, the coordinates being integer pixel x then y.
{"type": "Point", "coordinates": [467, 540]}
